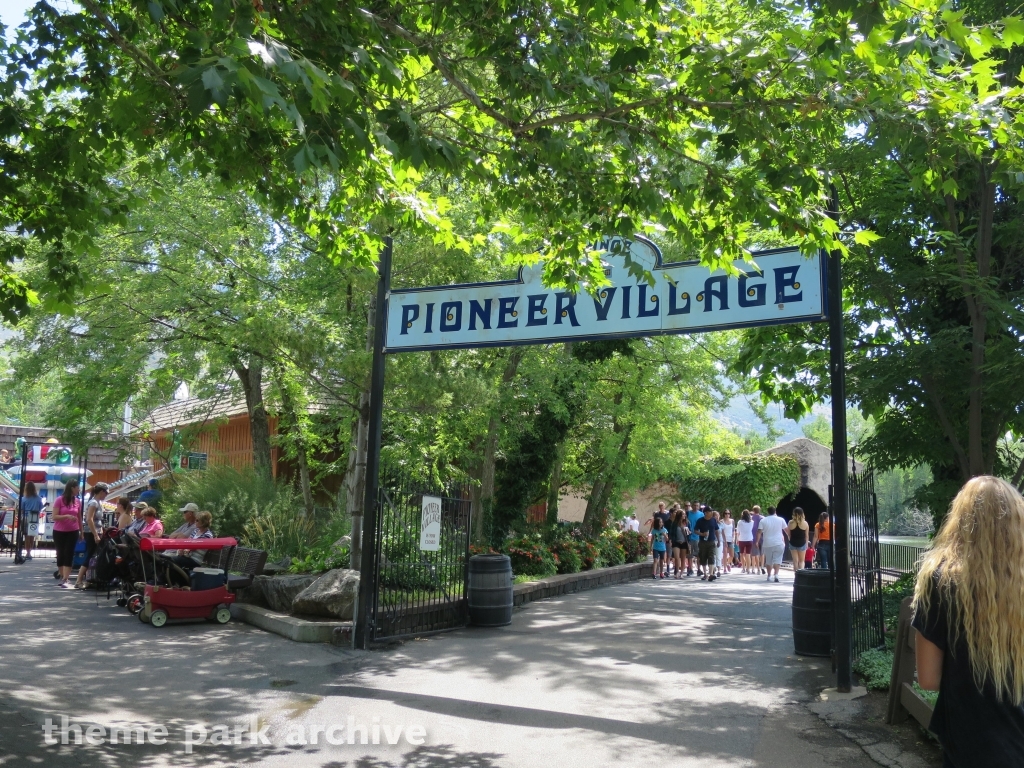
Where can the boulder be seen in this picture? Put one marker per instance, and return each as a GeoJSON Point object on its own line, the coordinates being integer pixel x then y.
{"type": "Point", "coordinates": [278, 592]}
{"type": "Point", "coordinates": [333, 595]}
{"type": "Point", "coordinates": [345, 542]}
{"type": "Point", "coordinates": [253, 594]}
{"type": "Point", "coordinates": [281, 566]}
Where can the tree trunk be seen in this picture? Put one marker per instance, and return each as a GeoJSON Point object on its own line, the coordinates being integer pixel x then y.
{"type": "Point", "coordinates": [355, 473]}
{"type": "Point", "coordinates": [483, 501]}
{"type": "Point", "coordinates": [555, 487]}
{"type": "Point", "coordinates": [293, 428]}
{"type": "Point", "coordinates": [251, 379]}
{"type": "Point", "coordinates": [594, 518]}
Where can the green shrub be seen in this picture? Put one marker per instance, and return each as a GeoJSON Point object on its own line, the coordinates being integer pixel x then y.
{"type": "Point", "coordinates": [530, 556]}
{"type": "Point", "coordinates": [635, 546]}
{"type": "Point", "coordinates": [588, 553]}
{"type": "Point", "coordinates": [233, 497]}
{"type": "Point", "coordinates": [609, 549]}
{"type": "Point", "coordinates": [567, 555]}
{"type": "Point", "coordinates": [875, 667]}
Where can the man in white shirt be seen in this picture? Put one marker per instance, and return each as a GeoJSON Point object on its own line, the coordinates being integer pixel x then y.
{"type": "Point", "coordinates": [633, 524]}
{"type": "Point", "coordinates": [772, 534]}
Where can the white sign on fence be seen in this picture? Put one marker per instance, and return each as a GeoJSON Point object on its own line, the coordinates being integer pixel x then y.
{"type": "Point", "coordinates": [783, 287]}
{"type": "Point", "coordinates": [430, 524]}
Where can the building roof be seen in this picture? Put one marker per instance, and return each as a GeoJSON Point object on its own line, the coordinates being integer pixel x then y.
{"type": "Point", "coordinates": [100, 458]}
{"type": "Point", "coordinates": [197, 410]}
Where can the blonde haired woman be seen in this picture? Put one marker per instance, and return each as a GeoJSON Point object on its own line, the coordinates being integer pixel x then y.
{"type": "Point", "coordinates": [969, 617]}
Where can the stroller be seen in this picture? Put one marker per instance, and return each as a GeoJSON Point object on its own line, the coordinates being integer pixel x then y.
{"type": "Point", "coordinates": [131, 573]}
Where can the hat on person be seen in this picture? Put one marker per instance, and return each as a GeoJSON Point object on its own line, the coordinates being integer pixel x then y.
{"type": "Point", "coordinates": [190, 507]}
{"type": "Point", "coordinates": [140, 505]}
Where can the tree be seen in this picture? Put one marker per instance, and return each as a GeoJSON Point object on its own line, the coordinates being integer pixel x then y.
{"type": "Point", "coordinates": [703, 120]}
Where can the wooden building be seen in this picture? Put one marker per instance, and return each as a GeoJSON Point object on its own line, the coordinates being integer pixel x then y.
{"type": "Point", "coordinates": [211, 432]}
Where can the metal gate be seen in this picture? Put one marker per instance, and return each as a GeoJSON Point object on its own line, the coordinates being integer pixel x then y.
{"type": "Point", "coordinates": [418, 591]}
{"type": "Point", "coordinates": [865, 565]}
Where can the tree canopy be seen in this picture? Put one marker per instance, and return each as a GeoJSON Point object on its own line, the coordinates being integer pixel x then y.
{"type": "Point", "coordinates": [705, 121]}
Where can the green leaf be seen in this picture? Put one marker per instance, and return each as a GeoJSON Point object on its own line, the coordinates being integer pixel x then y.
{"type": "Point", "coordinates": [1013, 31]}
{"type": "Point", "coordinates": [865, 237]}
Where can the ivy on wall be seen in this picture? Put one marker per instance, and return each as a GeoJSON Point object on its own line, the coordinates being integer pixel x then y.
{"type": "Point", "coordinates": [739, 483]}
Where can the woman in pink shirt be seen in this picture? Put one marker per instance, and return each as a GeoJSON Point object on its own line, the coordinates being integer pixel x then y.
{"type": "Point", "coordinates": [153, 529]}
{"type": "Point", "coordinates": [67, 530]}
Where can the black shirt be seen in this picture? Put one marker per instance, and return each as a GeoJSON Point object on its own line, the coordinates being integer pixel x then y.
{"type": "Point", "coordinates": [975, 729]}
{"type": "Point", "coordinates": [706, 525]}
{"type": "Point", "coordinates": [665, 517]}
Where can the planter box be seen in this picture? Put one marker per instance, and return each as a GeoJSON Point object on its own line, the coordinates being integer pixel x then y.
{"type": "Point", "coordinates": [567, 583]}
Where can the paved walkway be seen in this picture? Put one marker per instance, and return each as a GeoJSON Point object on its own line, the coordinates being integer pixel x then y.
{"type": "Point", "coordinates": [651, 673]}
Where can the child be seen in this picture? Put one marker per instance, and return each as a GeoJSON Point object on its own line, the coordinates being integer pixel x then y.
{"type": "Point", "coordinates": [659, 547]}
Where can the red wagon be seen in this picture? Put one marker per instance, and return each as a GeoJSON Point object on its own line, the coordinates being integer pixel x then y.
{"type": "Point", "coordinates": [161, 603]}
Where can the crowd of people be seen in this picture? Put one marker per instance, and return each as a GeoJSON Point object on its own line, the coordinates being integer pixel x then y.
{"type": "Point", "coordinates": [693, 538]}
{"type": "Point", "coordinates": [136, 520]}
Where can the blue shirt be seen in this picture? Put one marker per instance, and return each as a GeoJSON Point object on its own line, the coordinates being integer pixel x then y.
{"type": "Point", "coordinates": [658, 536]}
{"type": "Point", "coordinates": [152, 497]}
{"type": "Point", "coordinates": [691, 518]}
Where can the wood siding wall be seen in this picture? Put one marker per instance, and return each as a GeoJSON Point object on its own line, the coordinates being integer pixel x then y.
{"type": "Point", "coordinates": [228, 443]}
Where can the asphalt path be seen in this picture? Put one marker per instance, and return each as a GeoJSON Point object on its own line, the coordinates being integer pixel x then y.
{"type": "Point", "coordinates": [680, 673]}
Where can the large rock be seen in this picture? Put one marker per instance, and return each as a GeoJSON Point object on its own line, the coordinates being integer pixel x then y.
{"type": "Point", "coordinates": [333, 595]}
{"type": "Point", "coordinates": [278, 592]}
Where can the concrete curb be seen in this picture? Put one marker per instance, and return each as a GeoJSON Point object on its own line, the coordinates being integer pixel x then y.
{"type": "Point", "coordinates": [567, 583]}
{"type": "Point", "coordinates": [292, 627]}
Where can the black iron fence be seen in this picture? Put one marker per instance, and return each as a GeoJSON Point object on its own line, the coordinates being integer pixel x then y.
{"type": "Point", "coordinates": [902, 558]}
{"type": "Point", "coordinates": [865, 565]}
{"type": "Point", "coordinates": [421, 558]}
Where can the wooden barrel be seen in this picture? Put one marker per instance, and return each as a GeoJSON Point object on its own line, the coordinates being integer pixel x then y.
{"type": "Point", "coordinates": [490, 590]}
{"type": "Point", "coordinates": [812, 613]}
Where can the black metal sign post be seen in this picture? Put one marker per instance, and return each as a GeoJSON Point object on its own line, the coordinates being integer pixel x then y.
{"type": "Point", "coordinates": [19, 539]}
{"type": "Point", "coordinates": [367, 575]}
{"type": "Point", "coordinates": [840, 496]}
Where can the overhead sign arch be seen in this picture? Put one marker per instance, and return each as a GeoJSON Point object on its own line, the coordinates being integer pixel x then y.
{"type": "Point", "coordinates": [781, 286]}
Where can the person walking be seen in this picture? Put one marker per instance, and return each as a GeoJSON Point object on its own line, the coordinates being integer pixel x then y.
{"type": "Point", "coordinates": [728, 539]}
{"type": "Point", "coordinates": [31, 506]}
{"type": "Point", "coordinates": [821, 540]}
{"type": "Point", "coordinates": [693, 540]}
{"type": "Point", "coordinates": [756, 558]}
{"type": "Point", "coordinates": [94, 529]}
{"type": "Point", "coordinates": [707, 534]}
{"type": "Point", "coordinates": [659, 548]}
{"type": "Point", "coordinates": [677, 533]}
{"type": "Point", "coordinates": [745, 539]}
{"type": "Point", "coordinates": [771, 540]}
{"type": "Point", "coordinates": [969, 619]}
{"type": "Point", "coordinates": [67, 530]}
{"type": "Point", "coordinates": [798, 531]}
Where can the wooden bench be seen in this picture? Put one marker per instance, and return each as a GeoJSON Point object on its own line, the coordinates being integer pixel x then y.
{"type": "Point", "coordinates": [904, 701]}
{"type": "Point", "coordinates": [242, 564]}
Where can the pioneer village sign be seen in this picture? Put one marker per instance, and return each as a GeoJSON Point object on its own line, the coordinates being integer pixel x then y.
{"type": "Point", "coordinates": [778, 286]}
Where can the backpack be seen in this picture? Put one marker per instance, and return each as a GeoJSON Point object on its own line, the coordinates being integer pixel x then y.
{"type": "Point", "coordinates": [106, 561]}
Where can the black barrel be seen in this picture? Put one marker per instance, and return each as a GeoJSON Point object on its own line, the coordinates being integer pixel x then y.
{"type": "Point", "coordinates": [812, 613]}
{"type": "Point", "coordinates": [490, 590]}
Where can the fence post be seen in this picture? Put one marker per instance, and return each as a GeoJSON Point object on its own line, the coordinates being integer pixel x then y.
{"type": "Point", "coordinates": [368, 566]}
{"type": "Point", "coordinates": [841, 497]}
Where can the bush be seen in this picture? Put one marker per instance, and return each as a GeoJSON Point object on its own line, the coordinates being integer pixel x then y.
{"type": "Point", "coordinates": [233, 497]}
{"type": "Point", "coordinates": [530, 557]}
{"type": "Point", "coordinates": [567, 555]}
{"type": "Point", "coordinates": [635, 546]}
{"type": "Point", "coordinates": [588, 553]}
{"type": "Point", "coordinates": [609, 550]}
{"type": "Point", "coordinates": [875, 667]}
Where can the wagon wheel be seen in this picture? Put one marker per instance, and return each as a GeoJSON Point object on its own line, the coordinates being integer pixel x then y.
{"type": "Point", "coordinates": [134, 603]}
